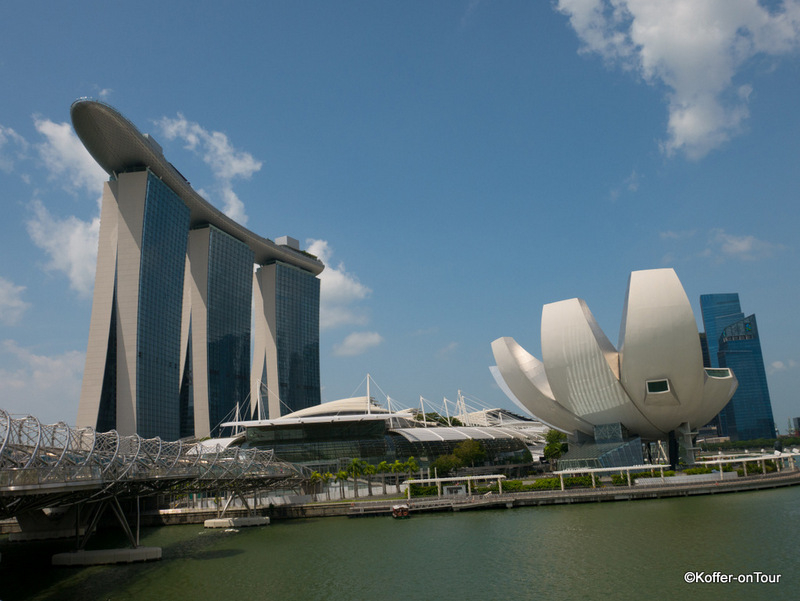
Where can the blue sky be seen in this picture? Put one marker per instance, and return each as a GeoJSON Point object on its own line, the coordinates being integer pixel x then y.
{"type": "Point", "coordinates": [456, 164]}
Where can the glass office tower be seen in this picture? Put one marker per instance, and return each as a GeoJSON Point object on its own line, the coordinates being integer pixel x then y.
{"type": "Point", "coordinates": [133, 358]}
{"type": "Point", "coordinates": [732, 340]}
{"type": "Point", "coordinates": [719, 311]}
{"type": "Point", "coordinates": [297, 328]}
{"type": "Point", "coordinates": [164, 236]}
{"type": "Point", "coordinates": [216, 330]}
{"type": "Point", "coordinates": [230, 292]}
{"type": "Point", "coordinates": [286, 349]}
{"type": "Point", "coordinates": [749, 412]}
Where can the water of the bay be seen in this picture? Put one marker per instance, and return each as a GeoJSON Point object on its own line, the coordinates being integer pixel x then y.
{"type": "Point", "coordinates": [623, 550]}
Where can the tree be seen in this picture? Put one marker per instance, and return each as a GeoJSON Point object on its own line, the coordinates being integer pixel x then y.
{"type": "Point", "coordinates": [383, 469]}
{"type": "Point", "coordinates": [411, 466]}
{"type": "Point", "coordinates": [355, 469]}
{"type": "Point", "coordinates": [469, 451]}
{"type": "Point", "coordinates": [398, 467]}
{"type": "Point", "coordinates": [315, 478]}
{"type": "Point", "coordinates": [369, 470]}
{"type": "Point", "coordinates": [445, 464]}
{"type": "Point", "coordinates": [341, 478]}
{"type": "Point", "coordinates": [327, 477]}
{"type": "Point", "coordinates": [555, 445]}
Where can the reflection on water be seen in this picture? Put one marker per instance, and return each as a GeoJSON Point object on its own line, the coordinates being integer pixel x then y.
{"type": "Point", "coordinates": [626, 550]}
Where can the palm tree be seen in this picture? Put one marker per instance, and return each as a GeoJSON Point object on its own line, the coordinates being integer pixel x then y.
{"type": "Point", "coordinates": [411, 466]}
{"type": "Point", "coordinates": [369, 470]}
{"type": "Point", "coordinates": [315, 478]}
{"type": "Point", "coordinates": [341, 478]}
{"type": "Point", "coordinates": [398, 468]}
{"type": "Point", "coordinates": [327, 477]}
{"type": "Point", "coordinates": [356, 468]}
{"type": "Point", "coordinates": [383, 468]}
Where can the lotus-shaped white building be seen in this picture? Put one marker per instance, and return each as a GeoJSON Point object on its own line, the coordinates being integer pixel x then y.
{"type": "Point", "coordinates": [654, 383]}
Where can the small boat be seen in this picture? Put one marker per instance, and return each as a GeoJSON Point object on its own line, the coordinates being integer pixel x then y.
{"type": "Point", "coordinates": [400, 511]}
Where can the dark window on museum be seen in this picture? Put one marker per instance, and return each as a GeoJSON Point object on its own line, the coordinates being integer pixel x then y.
{"type": "Point", "coordinates": [655, 386]}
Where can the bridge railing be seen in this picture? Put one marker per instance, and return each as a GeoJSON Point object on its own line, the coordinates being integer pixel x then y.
{"type": "Point", "coordinates": [33, 454]}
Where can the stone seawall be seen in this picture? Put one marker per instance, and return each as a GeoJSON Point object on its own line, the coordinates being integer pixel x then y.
{"type": "Point", "coordinates": [383, 506]}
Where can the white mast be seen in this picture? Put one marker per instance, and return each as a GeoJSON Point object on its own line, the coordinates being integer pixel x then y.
{"type": "Point", "coordinates": [462, 409]}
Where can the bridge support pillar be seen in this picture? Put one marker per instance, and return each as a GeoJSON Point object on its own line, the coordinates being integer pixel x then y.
{"type": "Point", "coordinates": [45, 524]}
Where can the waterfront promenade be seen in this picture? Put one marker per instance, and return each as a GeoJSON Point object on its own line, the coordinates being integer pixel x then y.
{"type": "Point", "coordinates": [307, 507]}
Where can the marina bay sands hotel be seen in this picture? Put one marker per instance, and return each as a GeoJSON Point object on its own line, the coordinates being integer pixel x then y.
{"type": "Point", "coordinates": [177, 286]}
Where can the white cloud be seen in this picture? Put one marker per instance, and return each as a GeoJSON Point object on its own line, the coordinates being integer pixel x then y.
{"type": "Point", "coordinates": [357, 343]}
{"type": "Point", "coordinates": [748, 248]}
{"type": "Point", "coordinates": [717, 246]}
{"type": "Point", "coordinates": [779, 366]}
{"type": "Point", "coordinates": [630, 183]}
{"type": "Point", "coordinates": [9, 138]}
{"type": "Point", "coordinates": [234, 208]}
{"type": "Point", "coordinates": [694, 48]}
{"type": "Point", "coordinates": [339, 290]}
{"type": "Point", "coordinates": [67, 159]}
{"type": "Point", "coordinates": [673, 235]}
{"type": "Point", "coordinates": [633, 181]}
{"type": "Point", "coordinates": [447, 351]}
{"type": "Point", "coordinates": [11, 304]}
{"type": "Point", "coordinates": [216, 151]}
{"type": "Point", "coordinates": [70, 243]}
{"type": "Point", "coordinates": [468, 14]}
{"type": "Point", "coordinates": [37, 384]}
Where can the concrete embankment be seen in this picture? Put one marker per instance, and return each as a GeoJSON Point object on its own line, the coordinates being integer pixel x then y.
{"type": "Point", "coordinates": [382, 507]}
{"type": "Point", "coordinates": [373, 506]}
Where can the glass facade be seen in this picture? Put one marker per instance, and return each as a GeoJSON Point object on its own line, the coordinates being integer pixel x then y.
{"type": "Point", "coordinates": [719, 311]}
{"type": "Point", "coordinates": [605, 454]}
{"type": "Point", "coordinates": [187, 392]}
{"type": "Point", "coordinates": [732, 341]}
{"type": "Point", "coordinates": [217, 370]}
{"type": "Point", "coordinates": [163, 255]}
{"type": "Point", "coordinates": [749, 412]}
{"type": "Point", "coordinates": [297, 337]}
{"type": "Point", "coordinates": [107, 414]}
{"type": "Point", "coordinates": [329, 446]}
{"type": "Point", "coordinates": [230, 289]}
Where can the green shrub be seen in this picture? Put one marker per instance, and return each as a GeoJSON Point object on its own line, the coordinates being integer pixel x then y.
{"type": "Point", "coordinates": [578, 481]}
{"type": "Point", "coordinates": [697, 470]}
{"type": "Point", "coordinates": [417, 490]}
{"type": "Point", "coordinates": [513, 486]}
{"type": "Point", "coordinates": [546, 484]}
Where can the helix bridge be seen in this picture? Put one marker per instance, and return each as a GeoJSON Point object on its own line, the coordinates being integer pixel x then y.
{"type": "Point", "coordinates": [54, 466]}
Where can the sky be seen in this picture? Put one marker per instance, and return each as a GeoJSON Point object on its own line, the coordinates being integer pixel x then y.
{"type": "Point", "coordinates": [455, 164]}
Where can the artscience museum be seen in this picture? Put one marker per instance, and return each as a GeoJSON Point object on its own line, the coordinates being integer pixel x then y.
{"type": "Point", "coordinates": [652, 387]}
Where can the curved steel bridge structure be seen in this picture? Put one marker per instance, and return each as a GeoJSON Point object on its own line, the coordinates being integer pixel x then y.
{"type": "Point", "coordinates": [55, 465]}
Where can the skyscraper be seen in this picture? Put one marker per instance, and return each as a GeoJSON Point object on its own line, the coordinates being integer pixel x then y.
{"type": "Point", "coordinates": [169, 337]}
{"type": "Point", "coordinates": [216, 312]}
{"type": "Point", "coordinates": [733, 341]}
{"type": "Point", "coordinates": [287, 328]}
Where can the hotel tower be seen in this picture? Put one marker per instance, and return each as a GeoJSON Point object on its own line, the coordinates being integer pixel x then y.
{"type": "Point", "coordinates": [177, 282]}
